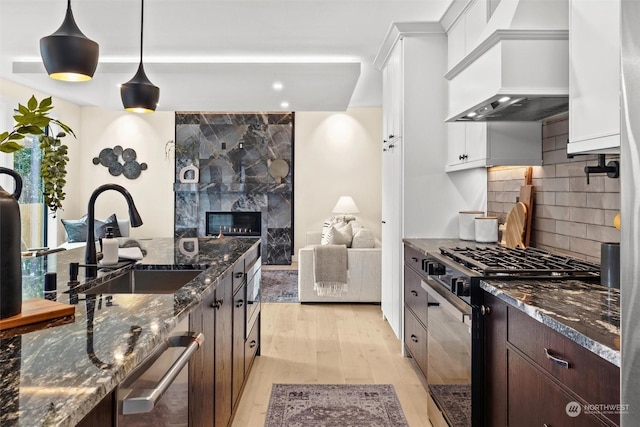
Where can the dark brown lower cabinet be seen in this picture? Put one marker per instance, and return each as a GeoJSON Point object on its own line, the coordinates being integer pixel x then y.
{"type": "Point", "coordinates": [415, 340]}
{"type": "Point", "coordinates": [239, 325]}
{"type": "Point", "coordinates": [201, 365]}
{"type": "Point", "coordinates": [223, 361]}
{"type": "Point", "coordinates": [103, 414]}
{"type": "Point", "coordinates": [524, 386]}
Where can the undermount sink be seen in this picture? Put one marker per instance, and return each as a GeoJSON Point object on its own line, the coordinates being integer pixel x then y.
{"type": "Point", "coordinates": [145, 282]}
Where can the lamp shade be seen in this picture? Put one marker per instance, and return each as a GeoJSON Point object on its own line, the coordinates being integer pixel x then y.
{"type": "Point", "coordinates": [68, 54]}
{"type": "Point", "coordinates": [139, 95]}
{"type": "Point", "coordinates": [345, 205]}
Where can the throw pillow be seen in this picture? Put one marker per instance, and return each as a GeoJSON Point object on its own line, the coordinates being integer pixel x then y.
{"type": "Point", "coordinates": [363, 238]}
{"type": "Point", "coordinates": [325, 229]}
{"type": "Point", "coordinates": [100, 227]}
{"type": "Point", "coordinates": [76, 229]}
{"type": "Point", "coordinates": [340, 234]}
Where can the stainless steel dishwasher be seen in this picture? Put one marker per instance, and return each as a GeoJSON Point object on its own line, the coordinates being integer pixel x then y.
{"type": "Point", "coordinates": [157, 392]}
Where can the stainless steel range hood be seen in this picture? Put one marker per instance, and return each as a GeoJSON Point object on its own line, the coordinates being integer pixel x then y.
{"type": "Point", "coordinates": [519, 70]}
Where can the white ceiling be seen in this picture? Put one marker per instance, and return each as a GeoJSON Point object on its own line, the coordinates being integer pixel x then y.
{"type": "Point", "coordinates": [217, 55]}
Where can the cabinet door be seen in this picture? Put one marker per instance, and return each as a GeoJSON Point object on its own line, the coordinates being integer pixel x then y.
{"type": "Point", "coordinates": [415, 339]}
{"type": "Point", "coordinates": [495, 363]}
{"type": "Point", "coordinates": [392, 94]}
{"type": "Point", "coordinates": [223, 351]}
{"type": "Point", "coordinates": [475, 148]}
{"type": "Point", "coordinates": [455, 143]}
{"type": "Point", "coordinates": [201, 365]}
{"type": "Point", "coordinates": [392, 236]}
{"type": "Point", "coordinates": [594, 75]}
{"type": "Point", "coordinates": [536, 401]}
{"type": "Point", "coordinates": [239, 324]}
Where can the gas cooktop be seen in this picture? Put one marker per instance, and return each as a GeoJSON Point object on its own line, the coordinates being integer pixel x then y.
{"type": "Point", "coordinates": [504, 262]}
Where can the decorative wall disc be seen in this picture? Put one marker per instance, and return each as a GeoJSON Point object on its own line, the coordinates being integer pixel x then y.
{"type": "Point", "coordinates": [129, 167]}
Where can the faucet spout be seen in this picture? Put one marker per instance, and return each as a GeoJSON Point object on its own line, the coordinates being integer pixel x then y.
{"type": "Point", "coordinates": [134, 218]}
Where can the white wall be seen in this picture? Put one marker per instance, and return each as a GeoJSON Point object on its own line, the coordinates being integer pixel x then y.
{"type": "Point", "coordinates": [10, 95]}
{"type": "Point", "coordinates": [152, 191]}
{"type": "Point", "coordinates": [337, 154]}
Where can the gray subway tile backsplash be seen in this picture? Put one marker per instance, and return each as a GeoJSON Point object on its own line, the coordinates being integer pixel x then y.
{"type": "Point", "coordinates": [570, 216]}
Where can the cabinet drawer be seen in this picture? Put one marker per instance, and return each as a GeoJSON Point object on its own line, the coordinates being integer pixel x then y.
{"type": "Point", "coordinates": [589, 376]}
{"type": "Point", "coordinates": [536, 401]}
{"type": "Point", "coordinates": [250, 257]}
{"type": "Point", "coordinates": [415, 259]}
{"type": "Point", "coordinates": [238, 274]}
{"type": "Point", "coordinates": [414, 296]}
{"type": "Point", "coordinates": [251, 345]}
{"type": "Point", "coordinates": [415, 339]}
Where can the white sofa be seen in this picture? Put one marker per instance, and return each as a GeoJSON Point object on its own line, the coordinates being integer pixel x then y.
{"type": "Point", "coordinates": [364, 283]}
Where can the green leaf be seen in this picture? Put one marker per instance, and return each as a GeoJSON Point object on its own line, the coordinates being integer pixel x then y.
{"type": "Point", "coordinates": [16, 137]}
{"type": "Point", "coordinates": [3, 136]}
{"type": "Point", "coordinates": [10, 147]}
{"type": "Point", "coordinates": [45, 103]}
{"type": "Point", "coordinates": [22, 109]}
{"type": "Point", "coordinates": [33, 103]}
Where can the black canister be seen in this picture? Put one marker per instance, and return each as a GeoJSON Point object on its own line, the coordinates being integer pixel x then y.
{"type": "Point", "coordinates": [10, 238]}
{"type": "Point", "coordinates": [610, 265]}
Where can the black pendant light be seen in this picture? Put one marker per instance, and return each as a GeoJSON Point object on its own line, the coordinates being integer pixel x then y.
{"type": "Point", "coordinates": [68, 54]}
{"type": "Point", "coordinates": [139, 95]}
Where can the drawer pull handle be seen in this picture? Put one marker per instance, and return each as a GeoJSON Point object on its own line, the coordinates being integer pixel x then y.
{"type": "Point", "coordinates": [485, 311]}
{"type": "Point", "coordinates": [252, 344]}
{"type": "Point", "coordinates": [217, 304]}
{"type": "Point", "coordinates": [414, 259]}
{"type": "Point", "coordinates": [414, 338]}
{"type": "Point", "coordinates": [239, 275]}
{"type": "Point", "coordinates": [414, 293]}
{"type": "Point", "coordinates": [239, 303]}
{"type": "Point", "coordinates": [556, 360]}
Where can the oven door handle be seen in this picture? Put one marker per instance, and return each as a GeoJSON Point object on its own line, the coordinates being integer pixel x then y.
{"type": "Point", "coordinates": [149, 397]}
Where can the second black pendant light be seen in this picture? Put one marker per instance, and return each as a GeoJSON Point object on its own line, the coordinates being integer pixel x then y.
{"type": "Point", "coordinates": [139, 95]}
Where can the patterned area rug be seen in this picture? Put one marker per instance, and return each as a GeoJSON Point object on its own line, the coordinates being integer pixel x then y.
{"type": "Point", "coordinates": [454, 400]}
{"type": "Point", "coordinates": [279, 286]}
{"type": "Point", "coordinates": [334, 405]}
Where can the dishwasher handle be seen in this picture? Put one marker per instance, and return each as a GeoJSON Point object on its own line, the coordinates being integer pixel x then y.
{"type": "Point", "coordinates": [147, 400]}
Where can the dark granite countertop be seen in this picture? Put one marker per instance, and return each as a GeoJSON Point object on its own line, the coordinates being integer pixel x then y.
{"type": "Point", "coordinates": [585, 312]}
{"type": "Point", "coordinates": [48, 377]}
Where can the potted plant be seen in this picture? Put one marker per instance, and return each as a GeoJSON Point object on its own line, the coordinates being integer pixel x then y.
{"type": "Point", "coordinates": [33, 119]}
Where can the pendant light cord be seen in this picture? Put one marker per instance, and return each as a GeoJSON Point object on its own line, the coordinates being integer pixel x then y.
{"type": "Point", "coordinates": [141, 27]}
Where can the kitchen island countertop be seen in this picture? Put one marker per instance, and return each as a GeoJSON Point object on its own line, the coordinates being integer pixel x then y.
{"type": "Point", "coordinates": [585, 312]}
{"type": "Point", "coordinates": [53, 374]}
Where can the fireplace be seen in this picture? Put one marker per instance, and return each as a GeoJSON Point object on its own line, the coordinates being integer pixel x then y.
{"type": "Point", "coordinates": [247, 224]}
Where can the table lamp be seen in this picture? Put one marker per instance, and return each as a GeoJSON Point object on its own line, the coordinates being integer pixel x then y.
{"type": "Point", "coordinates": [345, 206]}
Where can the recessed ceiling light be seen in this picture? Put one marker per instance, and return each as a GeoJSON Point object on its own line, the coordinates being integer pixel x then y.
{"type": "Point", "coordinates": [504, 99]}
{"type": "Point", "coordinates": [284, 104]}
{"type": "Point", "coordinates": [277, 85]}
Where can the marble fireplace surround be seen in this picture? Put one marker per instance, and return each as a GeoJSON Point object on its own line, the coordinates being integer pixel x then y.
{"type": "Point", "coordinates": [229, 155]}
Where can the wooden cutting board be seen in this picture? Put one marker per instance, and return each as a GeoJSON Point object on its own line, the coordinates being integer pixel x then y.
{"type": "Point", "coordinates": [37, 310]}
{"type": "Point", "coordinates": [516, 222]}
{"type": "Point", "coordinates": [526, 197]}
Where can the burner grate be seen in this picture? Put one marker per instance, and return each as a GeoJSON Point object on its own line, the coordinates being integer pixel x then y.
{"type": "Point", "coordinates": [529, 262]}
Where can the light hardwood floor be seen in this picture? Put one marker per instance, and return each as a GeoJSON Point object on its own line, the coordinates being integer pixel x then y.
{"type": "Point", "coordinates": [328, 344]}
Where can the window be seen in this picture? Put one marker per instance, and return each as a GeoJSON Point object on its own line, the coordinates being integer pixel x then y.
{"type": "Point", "coordinates": [33, 212]}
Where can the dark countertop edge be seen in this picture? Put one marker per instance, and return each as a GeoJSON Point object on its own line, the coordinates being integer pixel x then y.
{"type": "Point", "coordinates": [607, 353]}
{"type": "Point", "coordinates": [123, 370]}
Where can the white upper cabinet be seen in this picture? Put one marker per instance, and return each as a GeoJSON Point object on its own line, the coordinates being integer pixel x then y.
{"type": "Point", "coordinates": [594, 78]}
{"type": "Point", "coordinates": [392, 100]}
{"type": "Point", "coordinates": [483, 144]}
